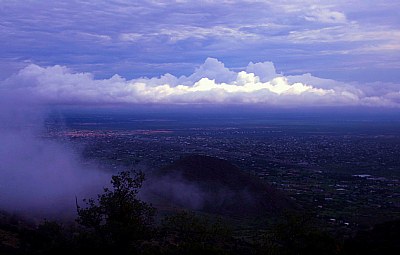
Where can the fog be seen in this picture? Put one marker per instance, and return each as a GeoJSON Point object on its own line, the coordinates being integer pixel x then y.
{"type": "Point", "coordinates": [39, 177]}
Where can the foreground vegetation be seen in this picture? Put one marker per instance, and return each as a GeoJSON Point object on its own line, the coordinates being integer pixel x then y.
{"type": "Point", "coordinates": [118, 222]}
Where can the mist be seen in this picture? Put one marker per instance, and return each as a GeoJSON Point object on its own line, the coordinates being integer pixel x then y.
{"type": "Point", "coordinates": [39, 177]}
{"type": "Point", "coordinates": [172, 189]}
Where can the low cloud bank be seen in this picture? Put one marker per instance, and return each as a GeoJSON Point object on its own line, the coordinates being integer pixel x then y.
{"type": "Point", "coordinates": [212, 82]}
{"type": "Point", "coordinates": [39, 177]}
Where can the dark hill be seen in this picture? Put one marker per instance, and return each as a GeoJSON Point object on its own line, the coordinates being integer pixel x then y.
{"type": "Point", "coordinates": [214, 185]}
{"type": "Point", "coordinates": [382, 239]}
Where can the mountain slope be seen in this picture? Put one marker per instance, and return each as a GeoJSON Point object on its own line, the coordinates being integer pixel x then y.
{"type": "Point", "coordinates": [214, 185]}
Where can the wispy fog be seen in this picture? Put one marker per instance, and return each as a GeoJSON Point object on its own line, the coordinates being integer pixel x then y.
{"type": "Point", "coordinates": [39, 177]}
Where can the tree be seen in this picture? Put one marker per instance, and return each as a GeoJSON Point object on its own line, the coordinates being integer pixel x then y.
{"type": "Point", "coordinates": [49, 237]}
{"type": "Point", "coordinates": [187, 233]}
{"type": "Point", "coordinates": [118, 219]}
{"type": "Point", "coordinates": [298, 234]}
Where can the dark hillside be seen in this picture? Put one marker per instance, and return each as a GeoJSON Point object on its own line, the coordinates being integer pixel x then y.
{"type": "Point", "coordinates": [214, 185]}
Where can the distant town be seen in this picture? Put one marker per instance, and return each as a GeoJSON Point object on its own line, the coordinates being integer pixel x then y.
{"type": "Point", "coordinates": [348, 175]}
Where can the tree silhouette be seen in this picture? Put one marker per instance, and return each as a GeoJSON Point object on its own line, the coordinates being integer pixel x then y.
{"type": "Point", "coordinates": [118, 219]}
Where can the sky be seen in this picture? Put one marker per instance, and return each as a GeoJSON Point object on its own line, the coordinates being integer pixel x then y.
{"type": "Point", "coordinates": [284, 53]}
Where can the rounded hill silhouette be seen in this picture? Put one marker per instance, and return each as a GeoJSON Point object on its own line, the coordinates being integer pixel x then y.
{"type": "Point", "coordinates": [215, 186]}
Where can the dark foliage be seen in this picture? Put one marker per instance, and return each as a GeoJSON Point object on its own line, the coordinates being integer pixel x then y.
{"type": "Point", "coordinates": [382, 239]}
{"type": "Point", "coordinates": [297, 234]}
{"type": "Point", "coordinates": [49, 237]}
{"type": "Point", "coordinates": [187, 233]}
{"type": "Point", "coordinates": [117, 220]}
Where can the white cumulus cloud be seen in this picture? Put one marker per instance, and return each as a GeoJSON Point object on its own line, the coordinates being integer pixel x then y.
{"type": "Point", "coordinates": [212, 82]}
